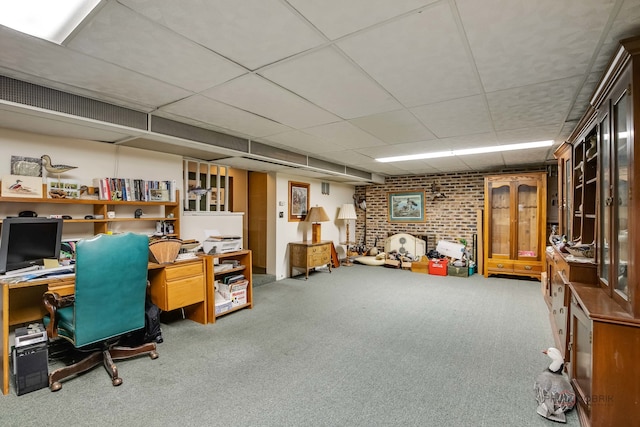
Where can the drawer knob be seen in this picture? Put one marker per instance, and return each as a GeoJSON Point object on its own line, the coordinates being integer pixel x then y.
{"type": "Point", "coordinates": [500, 265]}
{"type": "Point", "coordinates": [527, 267]}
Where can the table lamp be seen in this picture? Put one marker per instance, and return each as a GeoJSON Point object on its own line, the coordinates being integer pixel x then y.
{"type": "Point", "coordinates": [315, 216]}
{"type": "Point", "coordinates": [347, 213]}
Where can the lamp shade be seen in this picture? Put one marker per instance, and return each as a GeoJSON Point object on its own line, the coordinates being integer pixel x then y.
{"type": "Point", "coordinates": [317, 214]}
{"type": "Point", "coordinates": [347, 212]}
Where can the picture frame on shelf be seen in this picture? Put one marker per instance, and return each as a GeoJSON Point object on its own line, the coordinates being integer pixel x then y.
{"type": "Point", "coordinates": [298, 200]}
{"type": "Point", "coordinates": [26, 166]}
{"type": "Point", "coordinates": [63, 188]}
{"type": "Point", "coordinates": [407, 206]}
{"type": "Point", "coordinates": [22, 186]}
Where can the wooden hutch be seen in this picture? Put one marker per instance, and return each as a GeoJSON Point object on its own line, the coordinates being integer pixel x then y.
{"type": "Point", "coordinates": [594, 302]}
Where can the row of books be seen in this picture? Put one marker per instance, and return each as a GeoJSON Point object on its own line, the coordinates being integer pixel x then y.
{"type": "Point", "coordinates": [138, 190]}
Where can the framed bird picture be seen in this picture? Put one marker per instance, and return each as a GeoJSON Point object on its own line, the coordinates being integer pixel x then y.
{"type": "Point", "coordinates": [22, 186]}
{"type": "Point", "coordinates": [406, 206]}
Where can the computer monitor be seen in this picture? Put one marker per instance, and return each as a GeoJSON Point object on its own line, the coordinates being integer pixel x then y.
{"type": "Point", "coordinates": [26, 242]}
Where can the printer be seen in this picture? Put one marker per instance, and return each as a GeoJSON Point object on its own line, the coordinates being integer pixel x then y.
{"type": "Point", "coordinates": [221, 244]}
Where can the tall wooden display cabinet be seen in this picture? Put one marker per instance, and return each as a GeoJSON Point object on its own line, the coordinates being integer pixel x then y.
{"type": "Point", "coordinates": [599, 297]}
{"type": "Point", "coordinates": [515, 218]}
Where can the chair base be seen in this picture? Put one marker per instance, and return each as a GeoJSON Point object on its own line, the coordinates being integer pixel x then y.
{"type": "Point", "coordinates": [105, 357]}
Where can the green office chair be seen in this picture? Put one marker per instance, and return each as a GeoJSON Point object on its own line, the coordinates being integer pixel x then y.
{"type": "Point", "coordinates": [109, 302]}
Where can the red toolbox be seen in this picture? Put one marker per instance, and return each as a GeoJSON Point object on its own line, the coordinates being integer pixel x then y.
{"type": "Point", "coordinates": [438, 267]}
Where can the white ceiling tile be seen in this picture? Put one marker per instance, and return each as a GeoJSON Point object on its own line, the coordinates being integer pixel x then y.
{"type": "Point", "coordinates": [301, 141]}
{"type": "Point", "coordinates": [121, 37]}
{"type": "Point", "coordinates": [525, 157]}
{"type": "Point", "coordinates": [336, 18]}
{"type": "Point", "coordinates": [460, 116]}
{"type": "Point", "coordinates": [345, 135]}
{"type": "Point", "coordinates": [55, 63]}
{"type": "Point", "coordinates": [394, 127]}
{"type": "Point", "coordinates": [224, 116]}
{"type": "Point", "coordinates": [535, 105]}
{"type": "Point", "coordinates": [444, 164]}
{"type": "Point", "coordinates": [420, 59]}
{"type": "Point", "coordinates": [401, 149]}
{"type": "Point", "coordinates": [250, 32]}
{"type": "Point", "coordinates": [532, 41]}
{"type": "Point", "coordinates": [264, 98]}
{"type": "Point", "coordinates": [536, 133]}
{"type": "Point", "coordinates": [329, 80]}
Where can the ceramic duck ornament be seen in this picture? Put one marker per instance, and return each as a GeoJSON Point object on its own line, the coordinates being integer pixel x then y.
{"type": "Point", "coordinates": [554, 393]}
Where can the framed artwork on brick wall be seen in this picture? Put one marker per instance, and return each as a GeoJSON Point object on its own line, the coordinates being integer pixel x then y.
{"type": "Point", "coordinates": [407, 206]}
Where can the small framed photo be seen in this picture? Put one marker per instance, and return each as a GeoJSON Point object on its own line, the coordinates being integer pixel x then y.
{"type": "Point", "coordinates": [22, 186]}
{"type": "Point", "coordinates": [26, 166]}
{"type": "Point", "coordinates": [406, 206]}
{"type": "Point", "coordinates": [63, 188]}
{"type": "Point", "coordinates": [298, 200]}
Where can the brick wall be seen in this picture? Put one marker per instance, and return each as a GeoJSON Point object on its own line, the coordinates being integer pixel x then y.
{"type": "Point", "coordinates": [447, 218]}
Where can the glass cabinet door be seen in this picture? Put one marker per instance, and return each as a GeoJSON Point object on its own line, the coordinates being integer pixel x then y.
{"type": "Point", "coordinates": [566, 191]}
{"type": "Point", "coordinates": [604, 237]}
{"type": "Point", "coordinates": [527, 220]}
{"type": "Point", "coordinates": [621, 205]}
{"type": "Point", "coordinates": [500, 219]}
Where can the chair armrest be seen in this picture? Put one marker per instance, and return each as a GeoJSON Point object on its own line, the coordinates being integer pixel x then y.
{"type": "Point", "coordinates": [52, 302]}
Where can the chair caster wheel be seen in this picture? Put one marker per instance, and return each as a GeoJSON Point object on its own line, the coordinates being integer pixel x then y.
{"type": "Point", "coordinates": [154, 355]}
{"type": "Point", "coordinates": [116, 382]}
{"type": "Point", "coordinates": [55, 386]}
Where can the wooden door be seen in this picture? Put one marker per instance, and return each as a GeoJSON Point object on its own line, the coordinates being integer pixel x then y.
{"type": "Point", "coordinates": [257, 219]}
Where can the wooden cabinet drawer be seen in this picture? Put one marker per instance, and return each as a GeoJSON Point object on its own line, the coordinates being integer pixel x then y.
{"type": "Point", "coordinates": [183, 292]}
{"type": "Point", "coordinates": [318, 250]}
{"type": "Point", "coordinates": [505, 266]}
{"type": "Point", "coordinates": [318, 259]}
{"type": "Point", "coordinates": [179, 271]}
{"type": "Point", "coordinates": [527, 268]}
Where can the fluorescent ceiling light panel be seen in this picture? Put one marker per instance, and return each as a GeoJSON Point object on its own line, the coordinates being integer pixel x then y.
{"type": "Point", "coordinates": [465, 152]}
{"type": "Point", "coordinates": [45, 19]}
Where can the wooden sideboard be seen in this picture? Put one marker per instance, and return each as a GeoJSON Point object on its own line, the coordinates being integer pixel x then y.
{"type": "Point", "coordinates": [307, 255]}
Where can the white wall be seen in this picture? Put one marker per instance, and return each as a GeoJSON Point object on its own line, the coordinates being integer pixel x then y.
{"type": "Point", "coordinates": [97, 159]}
{"type": "Point", "coordinates": [286, 231]}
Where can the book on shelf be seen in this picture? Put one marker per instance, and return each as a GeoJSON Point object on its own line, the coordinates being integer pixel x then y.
{"type": "Point", "coordinates": [136, 190]}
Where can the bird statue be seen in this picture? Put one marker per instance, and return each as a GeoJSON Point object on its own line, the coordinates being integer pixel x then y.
{"type": "Point", "coordinates": [55, 169]}
{"type": "Point", "coordinates": [554, 393]}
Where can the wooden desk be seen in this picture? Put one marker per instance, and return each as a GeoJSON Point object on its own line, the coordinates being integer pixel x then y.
{"type": "Point", "coordinates": [176, 285]}
{"type": "Point", "coordinates": [307, 255]}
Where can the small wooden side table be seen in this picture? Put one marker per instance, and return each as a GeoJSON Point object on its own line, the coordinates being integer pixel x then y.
{"type": "Point", "coordinates": [308, 255]}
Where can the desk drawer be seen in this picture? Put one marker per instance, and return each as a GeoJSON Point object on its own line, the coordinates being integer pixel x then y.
{"type": "Point", "coordinates": [178, 271]}
{"type": "Point", "coordinates": [183, 292]}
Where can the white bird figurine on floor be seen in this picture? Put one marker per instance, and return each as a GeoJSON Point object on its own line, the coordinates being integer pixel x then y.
{"type": "Point", "coordinates": [554, 393]}
{"type": "Point", "coordinates": [55, 169]}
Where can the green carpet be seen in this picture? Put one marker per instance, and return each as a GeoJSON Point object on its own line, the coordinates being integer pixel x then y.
{"type": "Point", "coordinates": [361, 346]}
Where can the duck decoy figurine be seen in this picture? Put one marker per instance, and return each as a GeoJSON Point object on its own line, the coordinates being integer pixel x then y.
{"type": "Point", "coordinates": [554, 393]}
{"type": "Point", "coordinates": [199, 191]}
{"type": "Point", "coordinates": [54, 169]}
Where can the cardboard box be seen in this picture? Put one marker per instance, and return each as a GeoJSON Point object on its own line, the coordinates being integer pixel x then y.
{"type": "Point", "coordinates": [438, 267]}
{"type": "Point", "coordinates": [458, 271]}
{"type": "Point", "coordinates": [222, 304]}
{"type": "Point", "coordinates": [235, 292]}
{"type": "Point", "coordinates": [421, 266]}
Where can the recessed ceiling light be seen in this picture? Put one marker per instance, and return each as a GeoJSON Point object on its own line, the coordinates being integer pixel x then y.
{"type": "Point", "coordinates": [465, 152]}
{"type": "Point", "coordinates": [45, 19]}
